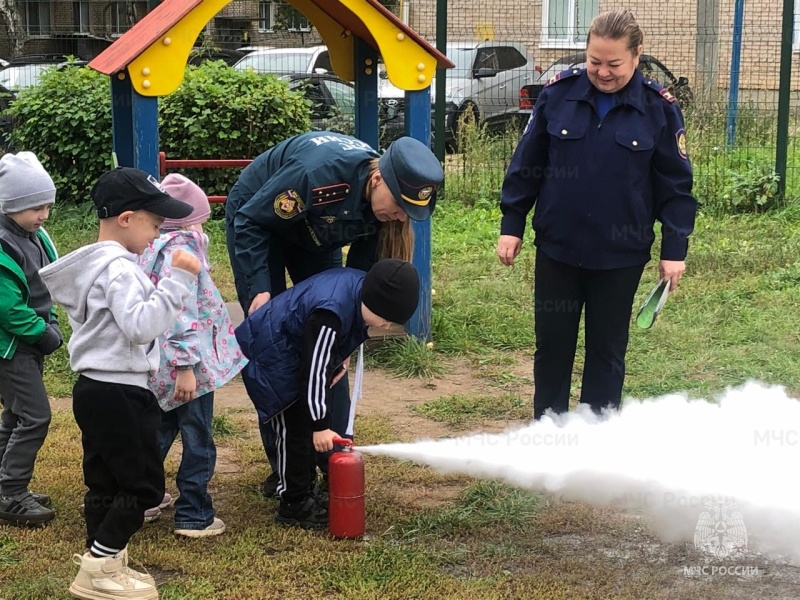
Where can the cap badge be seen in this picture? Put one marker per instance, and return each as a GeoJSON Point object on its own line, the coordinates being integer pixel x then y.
{"type": "Point", "coordinates": [425, 192]}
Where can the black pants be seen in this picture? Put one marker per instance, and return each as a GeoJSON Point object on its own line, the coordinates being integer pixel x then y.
{"type": "Point", "coordinates": [296, 457]}
{"type": "Point", "coordinates": [560, 293]}
{"type": "Point", "coordinates": [121, 458]}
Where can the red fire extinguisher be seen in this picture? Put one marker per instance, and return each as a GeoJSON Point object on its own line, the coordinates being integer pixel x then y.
{"type": "Point", "coordinates": [346, 509]}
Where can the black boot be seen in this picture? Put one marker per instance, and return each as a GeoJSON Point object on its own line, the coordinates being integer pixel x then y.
{"type": "Point", "coordinates": [307, 513]}
{"type": "Point", "coordinates": [269, 489]}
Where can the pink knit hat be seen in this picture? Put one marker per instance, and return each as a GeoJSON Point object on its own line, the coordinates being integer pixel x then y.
{"type": "Point", "coordinates": [188, 191]}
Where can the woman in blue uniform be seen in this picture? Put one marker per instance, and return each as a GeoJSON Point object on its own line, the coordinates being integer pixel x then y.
{"type": "Point", "coordinates": [601, 159]}
{"type": "Point", "coordinates": [296, 205]}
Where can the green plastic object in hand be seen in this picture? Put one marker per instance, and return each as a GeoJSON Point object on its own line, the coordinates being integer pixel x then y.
{"type": "Point", "coordinates": [653, 305]}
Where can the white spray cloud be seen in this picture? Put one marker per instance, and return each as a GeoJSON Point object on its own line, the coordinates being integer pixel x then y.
{"type": "Point", "coordinates": [665, 457]}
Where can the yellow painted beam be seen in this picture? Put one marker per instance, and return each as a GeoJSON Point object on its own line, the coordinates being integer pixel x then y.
{"type": "Point", "coordinates": [340, 43]}
{"type": "Point", "coordinates": [159, 70]}
{"type": "Point", "coordinates": [408, 65]}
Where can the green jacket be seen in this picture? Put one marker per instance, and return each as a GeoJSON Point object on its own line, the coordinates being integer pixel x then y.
{"type": "Point", "coordinates": [18, 321]}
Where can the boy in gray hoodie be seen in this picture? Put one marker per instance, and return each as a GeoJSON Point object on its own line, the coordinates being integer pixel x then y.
{"type": "Point", "coordinates": [116, 314]}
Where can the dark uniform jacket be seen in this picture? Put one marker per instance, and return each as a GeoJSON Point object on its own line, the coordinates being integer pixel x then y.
{"type": "Point", "coordinates": [297, 340]}
{"type": "Point", "coordinates": [307, 191]}
{"type": "Point", "coordinates": [598, 185]}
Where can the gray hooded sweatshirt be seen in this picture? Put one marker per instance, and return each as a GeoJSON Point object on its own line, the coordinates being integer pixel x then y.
{"type": "Point", "coordinates": [116, 313]}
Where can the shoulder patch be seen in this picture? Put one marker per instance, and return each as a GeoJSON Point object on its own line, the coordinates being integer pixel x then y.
{"type": "Point", "coordinates": [680, 142]}
{"type": "Point", "coordinates": [288, 204]}
{"type": "Point", "coordinates": [563, 75]}
{"type": "Point", "coordinates": [657, 87]}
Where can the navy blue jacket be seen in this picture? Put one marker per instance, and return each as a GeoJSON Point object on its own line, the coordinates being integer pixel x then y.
{"type": "Point", "coordinates": [599, 185]}
{"type": "Point", "coordinates": [272, 337]}
{"type": "Point", "coordinates": [307, 191]}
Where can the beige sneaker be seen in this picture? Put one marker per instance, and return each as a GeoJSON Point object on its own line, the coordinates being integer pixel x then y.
{"type": "Point", "coordinates": [106, 579]}
{"type": "Point", "coordinates": [146, 577]}
{"type": "Point", "coordinates": [216, 528]}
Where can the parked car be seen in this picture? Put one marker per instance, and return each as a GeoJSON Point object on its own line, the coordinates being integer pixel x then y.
{"type": "Point", "coordinates": [484, 85]}
{"type": "Point", "coordinates": [333, 105]}
{"type": "Point", "coordinates": [25, 71]}
{"type": "Point", "coordinates": [279, 61]}
{"type": "Point", "coordinates": [649, 65]}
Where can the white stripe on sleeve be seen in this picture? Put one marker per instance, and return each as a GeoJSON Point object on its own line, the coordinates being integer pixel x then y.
{"type": "Point", "coordinates": [316, 378]}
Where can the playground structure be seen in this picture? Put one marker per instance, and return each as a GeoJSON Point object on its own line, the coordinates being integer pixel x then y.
{"type": "Point", "coordinates": [150, 59]}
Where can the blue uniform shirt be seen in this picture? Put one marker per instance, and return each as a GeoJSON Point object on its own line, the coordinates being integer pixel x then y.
{"type": "Point", "coordinates": [598, 184]}
{"type": "Point", "coordinates": [307, 191]}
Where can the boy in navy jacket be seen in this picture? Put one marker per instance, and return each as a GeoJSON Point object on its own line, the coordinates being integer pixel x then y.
{"type": "Point", "coordinates": [299, 344]}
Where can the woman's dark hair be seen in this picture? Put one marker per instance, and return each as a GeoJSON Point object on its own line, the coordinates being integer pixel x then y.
{"type": "Point", "coordinates": [617, 25]}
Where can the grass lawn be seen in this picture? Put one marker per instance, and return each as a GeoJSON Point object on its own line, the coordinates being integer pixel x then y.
{"type": "Point", "coordinates": [735, 317]}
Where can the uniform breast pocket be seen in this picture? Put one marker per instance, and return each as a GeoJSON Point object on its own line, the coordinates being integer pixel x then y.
{"type": "Point", "coordinates": [636, 150]}
{"type": "Point", "coordinates": [565, 142]}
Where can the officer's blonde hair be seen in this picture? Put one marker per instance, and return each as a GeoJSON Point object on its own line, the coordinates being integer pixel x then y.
{"type": "Point", "coordinates": [617, 25]}
{"type": "Point", "coordinates": [396, 239]}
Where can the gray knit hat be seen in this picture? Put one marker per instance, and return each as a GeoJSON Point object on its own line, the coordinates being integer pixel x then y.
{"type": "Point", "coordinates": [24, 183]}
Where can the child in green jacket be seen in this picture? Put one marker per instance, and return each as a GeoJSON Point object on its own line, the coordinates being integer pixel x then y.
{"type": "Point", "coordinates": [28, 332]}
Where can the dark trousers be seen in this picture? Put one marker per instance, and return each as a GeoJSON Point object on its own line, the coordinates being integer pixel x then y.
{"type": "Point", "coordinates": [340, 419]}
{"type": "Point", "coordinates": [25, 418]}
{"type": "Point", "coordinates": [561, 292]}
{"type": "Point", "coordinates": [295, 457]}
{"type": "Point", "coordinates": [121, 458]}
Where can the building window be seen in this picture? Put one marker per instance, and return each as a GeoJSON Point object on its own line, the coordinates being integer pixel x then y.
{"type": "Point", "coordinates": [266, 15]}
{"type": "Point", "coordinates": [80, 16]}
{"type": "Point", "coordinates": [796, 26]}
{"type": "Point", "coordinates": [37, 17]}
{"type": "Point", "coordinates": [295, 20]}
{"type": "Point", "coordinates": [566, 22]}
{"type": "Point", "coordinates": [278, 15]}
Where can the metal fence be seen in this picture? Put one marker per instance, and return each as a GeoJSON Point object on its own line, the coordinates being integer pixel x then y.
{"type": "Point", "coordinates": [722, 59]}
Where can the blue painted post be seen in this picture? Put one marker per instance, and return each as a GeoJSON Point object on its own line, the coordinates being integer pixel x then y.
{"type": "Point", "coordinates": [135, 126]}
{"type": "Point", "coordinates": [736, 55]}
{"type": "Point", "coordinates": [366, 71]}
{"type": "Point", "coordinates": [418, 125]}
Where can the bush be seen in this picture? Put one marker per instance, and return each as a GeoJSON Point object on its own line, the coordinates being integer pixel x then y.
{"type": "Point", "coordinates": [66, 121]}
{"type": "Point", "coordinates": [216, 113]}
{"type": "Point", "coordinates": [742, 185]}
{"type": "Point", "coordinates": [219, 112]}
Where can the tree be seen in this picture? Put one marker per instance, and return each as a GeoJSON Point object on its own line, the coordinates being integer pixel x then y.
{"type": "Point", "coordinates": [10, 11]}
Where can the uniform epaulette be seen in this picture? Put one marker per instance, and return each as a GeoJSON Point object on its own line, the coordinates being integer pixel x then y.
{"type": "Point", "coordinates": [563, 75]}
{"type": "Point", "coordinates": [657, 87]}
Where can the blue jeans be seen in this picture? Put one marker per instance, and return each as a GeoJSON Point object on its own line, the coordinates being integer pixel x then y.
{"type": "Point", "coordinates": [193, 509]}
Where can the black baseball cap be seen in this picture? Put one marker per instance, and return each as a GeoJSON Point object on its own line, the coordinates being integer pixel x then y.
{"type": "Point", "coordinates": [124, 188]}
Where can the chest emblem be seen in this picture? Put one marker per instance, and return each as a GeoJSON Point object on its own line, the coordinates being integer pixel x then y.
{"type": "Point", "coordinates": [328, 219]}
{"type": "Point", "coordinates": [288, 204]}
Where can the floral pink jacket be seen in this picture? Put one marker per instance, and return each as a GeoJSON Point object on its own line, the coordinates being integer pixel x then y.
{"type": "Point", "coordinates": [202, 334]}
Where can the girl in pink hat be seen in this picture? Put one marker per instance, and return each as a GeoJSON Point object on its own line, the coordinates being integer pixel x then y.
{"type": "Point", "coordinates": [199, 354]}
